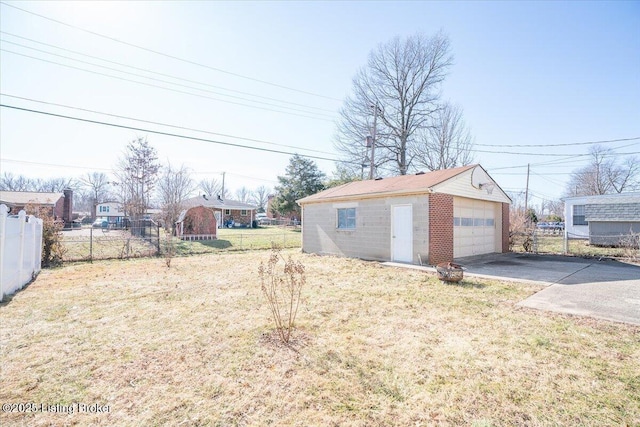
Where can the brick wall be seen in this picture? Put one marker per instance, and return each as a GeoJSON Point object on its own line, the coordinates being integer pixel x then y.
{"type": "Point", "coordinates": [440, 228]}
{"type": "Point", "coordinates": [505, 227]}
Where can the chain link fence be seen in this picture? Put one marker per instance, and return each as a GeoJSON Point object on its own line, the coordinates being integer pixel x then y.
{"type": "Point", "coordinates": [140, 239]}
{"type": "Point", "coordinates": [146, 239]}
{"type": "Point", "coordinates": [556, 242]}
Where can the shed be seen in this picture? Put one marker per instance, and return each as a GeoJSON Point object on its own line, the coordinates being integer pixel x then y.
{"type": "Point", "coordinates": [427, 217]}
{"type": "Point", "coordinates": [197, 223]}
{"type": "Point", "coordinates": [605, 220]}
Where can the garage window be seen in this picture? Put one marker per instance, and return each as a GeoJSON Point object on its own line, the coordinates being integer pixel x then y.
{"type": "Point", "coordinates": [473, 222]}
{"type": "Point", "coordinates": [347, 219]}
{"type": "Point", "coordinates": [578, 215]}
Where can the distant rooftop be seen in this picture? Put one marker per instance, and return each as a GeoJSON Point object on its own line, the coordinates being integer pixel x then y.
{"type": "Point", "coordinates": [22, 198]}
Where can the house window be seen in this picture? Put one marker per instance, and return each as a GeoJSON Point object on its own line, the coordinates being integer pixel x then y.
{"type": "Point", "coordinates": [347, 219]}
{"type": "Point", "coordinates": [243, 212]}
{"type": "Point", "coordinates": [227, 211]}
{"type": "Point", "coordinates": [578, 215]}
{"type": "Point", "coordinates": [104, 209]}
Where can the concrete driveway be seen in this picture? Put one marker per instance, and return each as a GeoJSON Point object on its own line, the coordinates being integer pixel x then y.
{"type": "Point", "coordinates": [588, 287]}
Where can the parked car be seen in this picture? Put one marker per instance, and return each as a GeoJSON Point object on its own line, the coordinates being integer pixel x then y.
{"type": "Point", "coordinates": [263, 219]}
{"type": "Point", "coordinates": [100, 223]}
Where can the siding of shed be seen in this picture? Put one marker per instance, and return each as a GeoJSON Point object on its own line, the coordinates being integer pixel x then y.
{"type": "Point", "coordinates": [611, 233]}
{"type": "Point", "coordinates": [371, 238]}
{"type": "Point", "coordinates": [461, 186]}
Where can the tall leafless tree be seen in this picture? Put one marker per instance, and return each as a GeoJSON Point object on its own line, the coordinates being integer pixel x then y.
{"type": "Point", "coordinates": [97, 185]}
{"type": "Point", "coordinates": [243, 194]}
{"type": "Point", "coordinates": [446, 143]}
{"type": "Point", "coordinates": [174, 187]}
{"type": "Point", "coordinates": [10, 182]}
{"type": "Point", "coordinates": [212, 187]}
{"type": "Point", "coordinates": [605, 174]}
{"type": "Point", "coordinates": [260, 197]}
{"type": "Point", "coordinates": [400, 85]}
{"type": "Point", "coordinates": [137, 173]}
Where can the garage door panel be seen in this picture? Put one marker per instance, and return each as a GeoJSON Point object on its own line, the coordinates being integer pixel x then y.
{"type": "Point", "coordinates": [474, 235]}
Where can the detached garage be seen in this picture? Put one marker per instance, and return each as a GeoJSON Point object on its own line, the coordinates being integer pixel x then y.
{"type": "Point", "coordinates": [430, 217]}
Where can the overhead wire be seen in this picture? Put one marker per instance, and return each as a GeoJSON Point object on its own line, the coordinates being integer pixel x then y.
{"type": "Point", "coordinates": [165, 124]}
{"type": "Point", "coordinates": [173, 90]}
{"type": "Point", "coordinates": [166, 55]}
{"type": "Point", "coordinates": [170, 134]}
{"type": "Point", "coordinates": [568, 144]}
{"type": "Point", "coordinates": [149, 71]}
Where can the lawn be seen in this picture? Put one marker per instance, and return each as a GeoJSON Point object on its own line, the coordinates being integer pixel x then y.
{"type": "Point", "coordinates": [554, 244]}
{"type": "Point", "coordinates": [193, 345]}
{"type": "Point", "coordinates": [235, 239]}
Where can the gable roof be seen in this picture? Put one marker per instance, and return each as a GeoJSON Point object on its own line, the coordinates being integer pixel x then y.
{"type": "Point", "coordinates": [21, 198]}
{"type": "Point", "coordinates": [605, 199]}
{"type": "Point", "coordinates": [215, 203]}
{"type": "Point", "coordinates": [419, 183]}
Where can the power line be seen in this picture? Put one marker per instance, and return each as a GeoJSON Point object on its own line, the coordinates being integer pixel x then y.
{"type": "Point", "coordinates": [172, 134]}
{"type": "Point", "coordinates": [152, 72]}
{"type": "Point", "coordinates": [559, 145]}
{"type": "Point", "coordinates": [170, 89]}
{"type": "Point", "coordinates": [568, 159]}
{"type": "Point", "coordinates": [164, 124]}
{"type": "Point", "coordinates": [51, 164]}
{"type": "Point", "coordinates": [168, 55]}
{"type": "Point", "coordinates": [58, 165]}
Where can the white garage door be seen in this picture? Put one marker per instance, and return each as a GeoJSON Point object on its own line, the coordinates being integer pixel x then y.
{"type": "Point", "coordinates": [474, 227]}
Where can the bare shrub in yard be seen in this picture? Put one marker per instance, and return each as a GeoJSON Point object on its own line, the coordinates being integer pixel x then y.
{"type": "Point", "coordinates": [282, 290]}
{"type": "Point", "coordinates": [520, 230]}
{"type": "Point", "coordinates": [631, 246]}
{"type": "Point", "coordinates": [52, 248]}
{"type": "Point", "coordinates": [168, 249]}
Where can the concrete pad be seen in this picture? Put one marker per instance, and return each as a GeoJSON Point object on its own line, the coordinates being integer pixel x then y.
{"type": "Point", "coordinates": [602, 289]}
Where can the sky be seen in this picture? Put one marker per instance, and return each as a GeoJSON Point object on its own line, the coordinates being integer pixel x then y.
{"type": "Point", "coordinates": [273, 75]}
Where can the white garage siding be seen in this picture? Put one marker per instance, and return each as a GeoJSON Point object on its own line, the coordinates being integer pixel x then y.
{"type": "Point", "coordinates": [475, 227]}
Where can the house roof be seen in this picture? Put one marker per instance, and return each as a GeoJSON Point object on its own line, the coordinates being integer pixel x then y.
{"type": "Point", "coordinates": [605, 199]}
{"type": "Point", "coordinates": [215, 203]}
{"type": "Point", "coordinates": [419, 183]}
{"type": "Point", "coordinates": [21, 198]}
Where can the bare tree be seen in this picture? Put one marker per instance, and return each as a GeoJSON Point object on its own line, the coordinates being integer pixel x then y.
{"type": "Point", "coordinates": [243, 194]}
{"type": "Point", "coordinates": [260, 197]}
{"type": "Point", "coordinates": [9, 182]}
{"type": "Point", "coordinates": [137, 172]}
{"type": "Point", "coordinates": [212, 187]}
{"type": "Point", "coordinates": [174, 186]}
{"type": "Point", "coordinates": [54, 185]}
{"type": "Point", "coordinates": [604, 174]}
{"type": "Point", "coordinates": [400, 86]}
{"type": "Point", "coordinates": [97, 185]}
{"type": "Point", "coordinates": [446, 143]}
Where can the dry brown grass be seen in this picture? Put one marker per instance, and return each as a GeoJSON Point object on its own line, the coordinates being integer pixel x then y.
{"type": "Point", "coordinates": [193, 345]}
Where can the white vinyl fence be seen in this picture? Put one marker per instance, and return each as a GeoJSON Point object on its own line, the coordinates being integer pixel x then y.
{"type": "Point", "coordinates": [20, 250]}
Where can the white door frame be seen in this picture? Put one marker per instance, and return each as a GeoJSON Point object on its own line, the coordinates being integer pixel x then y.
{"type": "Point", "coordinates": [409, 228]}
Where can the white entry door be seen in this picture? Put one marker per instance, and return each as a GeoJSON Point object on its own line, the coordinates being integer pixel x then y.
{"type": "Point", "coordinates": [402, 233]}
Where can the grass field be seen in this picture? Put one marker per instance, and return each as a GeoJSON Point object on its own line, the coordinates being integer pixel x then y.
{"type": "Point", "coordinates": [193, 345]}
{"type": "Point", "coordinates": [235, 239]}
{"type": "Point", "coordinates": [554, 244]}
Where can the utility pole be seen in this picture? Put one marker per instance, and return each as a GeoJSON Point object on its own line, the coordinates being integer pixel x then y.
{"type": "Point", "coordinates": [373, 142]}
{"type": "Point", "coordinates": [526, 193]}
{"type": "Point", "coordinates": [222, 195]}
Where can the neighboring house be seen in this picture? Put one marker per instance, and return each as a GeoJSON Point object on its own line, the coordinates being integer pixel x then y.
{"type": "Point", "coordinates": [423, 218]}
{"type": "Point", "coordinates": [291, 217]}
{"type": "Point", "coordinates": [604, 220]}
{"type": "Point", "coordinates": [58, 205]}
{"type": "Point", "coordinates": [197, 223]}
{"type": "Point", "coordinates": [226, 211]}
{"type": "Point", "coordinates": [112, 211]}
